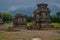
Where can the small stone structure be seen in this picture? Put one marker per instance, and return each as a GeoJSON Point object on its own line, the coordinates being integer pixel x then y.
{"type": "Point", "coordinates": [42, 16]}
{"type": "Point", "coordinates": [19, 22]}
{"type": "Point", "coordinates": [1, 19]}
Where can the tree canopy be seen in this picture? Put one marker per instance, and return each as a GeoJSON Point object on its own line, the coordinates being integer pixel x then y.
{"type": "Point", "coordinates": [7, 17]}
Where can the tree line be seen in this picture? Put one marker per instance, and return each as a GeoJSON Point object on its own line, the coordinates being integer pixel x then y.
{"type": "Point", "coordinates": [56, 18]}
{"type": "Point", "coordinates": [8, 17]}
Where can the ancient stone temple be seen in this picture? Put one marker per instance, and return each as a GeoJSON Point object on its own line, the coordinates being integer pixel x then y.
{"type": "Point", "coordinates": [1, 19]}
{"type": "Point", "coordinates": [19, 22]}
{"type": "Point", "coordinates": [42, 16]}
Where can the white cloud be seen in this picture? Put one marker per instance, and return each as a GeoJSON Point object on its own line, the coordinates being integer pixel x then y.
{"type": "Point", "coordinates": [58, 5]}
{"type": "Point", "coordinates": [16, 7]}
{"type": "Point", "coordinates": [12, 5]}
{"type": "Point", "coordinates": [12, 8]}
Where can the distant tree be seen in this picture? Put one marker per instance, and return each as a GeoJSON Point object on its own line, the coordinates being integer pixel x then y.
{"type": "Point", "coordinates": [7, 17]}
{"type": "Point", "coordinates": [58, 16]}
{"type": "Point", "coordinates": [29, 18]}
{"type": "Point", "coordinates": [54, 19]}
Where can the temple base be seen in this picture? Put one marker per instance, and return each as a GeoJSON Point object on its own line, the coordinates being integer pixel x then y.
{"type": "Point", "coordinates": [18, 28]}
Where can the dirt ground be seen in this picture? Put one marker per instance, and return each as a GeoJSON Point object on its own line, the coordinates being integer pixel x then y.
{"type": "Point", "coordinates": [29, 34]}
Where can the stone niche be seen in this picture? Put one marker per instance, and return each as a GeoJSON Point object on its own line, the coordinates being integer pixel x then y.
{"type": "Point", "coordinates": [42, 16]}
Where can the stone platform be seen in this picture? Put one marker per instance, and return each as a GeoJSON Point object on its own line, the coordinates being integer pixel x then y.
{"type": "Point", "coordinates": [16, 28]}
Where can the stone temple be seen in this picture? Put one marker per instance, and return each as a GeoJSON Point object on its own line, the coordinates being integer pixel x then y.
{"type": "Point", "coordinates": [42, 16]}
{"type": "Point", "coordinates": [19, 20]}
{"type": "Point", "coordinates": [1, 19]}
{"type": "Point", "coordinates": [19, 23]}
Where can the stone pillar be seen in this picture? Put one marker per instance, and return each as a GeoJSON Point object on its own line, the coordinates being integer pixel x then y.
{"type": "Point", "coordinates": [1, 19]}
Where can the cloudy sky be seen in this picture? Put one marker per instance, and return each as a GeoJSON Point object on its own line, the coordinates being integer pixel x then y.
{"type": "Point", "coordinates": [13, 5]}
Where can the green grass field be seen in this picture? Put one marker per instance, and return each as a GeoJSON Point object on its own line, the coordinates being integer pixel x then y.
{"type": "Point", "coordinates": [55, 24]}
{"type": "Point", "coordinates": [29, 24]}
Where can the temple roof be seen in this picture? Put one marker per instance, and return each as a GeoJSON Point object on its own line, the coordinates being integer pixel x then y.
{"type": "Point", "coordinates": [20, 15]}
{"type": "Point", "coordinates": [42, 4]}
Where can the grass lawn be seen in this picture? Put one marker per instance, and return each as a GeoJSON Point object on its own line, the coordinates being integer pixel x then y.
{"type": "Point", "coordinates": [8, 24]}
{"type": "Point", "coordinates": [58, 39]}
{"type": "Point", "coordinates": [56, 24]}
{"type": "Point", "coordinates": [29, 24]}
{"type": "Point", "coordinates": [0, 38]}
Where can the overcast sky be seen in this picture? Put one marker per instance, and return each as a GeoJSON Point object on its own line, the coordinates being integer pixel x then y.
{"type": "Point", "coordinates": [12, 5]}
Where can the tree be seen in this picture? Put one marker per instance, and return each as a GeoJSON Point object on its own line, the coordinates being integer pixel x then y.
{"type": "Point", "coordinates": [7, 17]}
{"type": "Point", "coordinates": [58, 13]}
{"type": "Point", "coordinates": [29, 18]}
{"type": "Point", "coordinates": [58, 16]}
{"type": "Point", "coordinates": [54, 19]}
